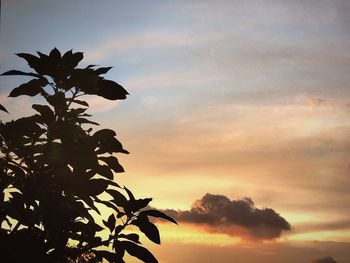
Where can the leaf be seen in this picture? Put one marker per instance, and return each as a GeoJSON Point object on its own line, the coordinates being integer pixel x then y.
{"type": "Point", "coordinates": [113, 183]}
{"type": "Point", "coordinates": [43, 57]}
{"type": "Point", "coordinates": [118, 198]}
{"type": "Point", "coordinates": [110, 223]}
{"type": "Point", "coordinates": [3, 108]}
{"type": "Point", "coordinates": [148, 228]}
{"type": "Point", "coordinates": [85, 80]}
{"type": "Point", "coordinates": [55, 55]}
{"type": "Point", "coordinates": [108, 204]}
{"type": "Point", "coordinates": [133, 237]}
{"type": "Point", "coordinates": [97, 186]}
{"type": "Point", "coordinates": [131, 196]}
{"type": "Point", "coordinates": [113, 163]}
{"type": "Point", "coordinates": [27, 126]}
{"type": "Point", "coordinates": [111, 257]}
{"type": "Point", "coordinates": [104, 171]}
{"type": "Point", "coordinates": [76, 58]}
{"type": "Point", "coordinates": [90, 66]}
{"type": "Point", "coordinates": [81, 102]}
{"type": "Point", "coordinates": [111, 90]}
{"type": "Point", "coordinates": [58, 101]}
{"type": "Point", "coordinates": [107, 142]}
{"type": "Point", "coordinates": [139, 252]}
{"type": "Point", "coordinates": [118, 229]}
{"type": "Point", "coordinates": [20, 73]}
{"type": "Point", "coordinates": [101, 71]}
{"type": "Point", "coordinates": [16, 169]}
{"type": "Point", "coordinates": [135, 205]}
{"type": "Point", "coordinates": [76, 112]}
{"type": "Point", "coordinates": [33, 62]}
{"type": "Point", "coordinates": [31, 88]}
{"type": "Point", "coordinates": [84, 120]}
{"type": "Point", "coordinates": [115, 146]}
{"type": "Point", "coordinates": [156, 213]}
{"type": "Point", "coordinates": [104, 133]}
{"type": "Point", "coordinates": [91, 204]}
{"type": "Point", "coordinates": [71, 60]}
{"type": "Point", "coordinates": [45, 112]}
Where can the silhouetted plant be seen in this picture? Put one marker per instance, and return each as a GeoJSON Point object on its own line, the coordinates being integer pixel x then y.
{"type": "Point", "coordinates": [53, 170]}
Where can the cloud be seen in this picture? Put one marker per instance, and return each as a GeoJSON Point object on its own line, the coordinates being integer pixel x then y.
{"type": "Point", "coordinates": [143, 41]}
{"type": "Point", "coordinates": [217, 213]}
{"type": "Point", "coordinates": [325, 260]}
{"type": "Point", "coordinates": [324, 226]}
{"type": "Point", "coordinates": [315, 101]}
{"type": "Point", "coordinates": [295, 151]}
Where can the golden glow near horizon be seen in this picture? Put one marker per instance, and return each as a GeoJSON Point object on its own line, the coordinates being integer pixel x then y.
{"type": "Point", "coordinates": [188, 234]}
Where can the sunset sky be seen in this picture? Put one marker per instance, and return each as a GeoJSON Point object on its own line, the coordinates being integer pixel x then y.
{"type": "Point", "coordinates": [240, 109]}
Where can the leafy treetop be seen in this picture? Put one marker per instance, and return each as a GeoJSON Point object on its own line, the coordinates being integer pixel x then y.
{"type": "Point", "coordinates": [54, 168]}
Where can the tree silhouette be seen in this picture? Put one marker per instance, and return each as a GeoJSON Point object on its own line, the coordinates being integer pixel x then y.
{"type": "Point", "coordinates": [56, 172]}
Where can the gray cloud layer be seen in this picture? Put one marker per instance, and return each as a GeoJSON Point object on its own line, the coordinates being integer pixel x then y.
{"type": "Point", "coordinates": [221, 214]}
{"type": "Point", "coordinates": [325, 260]}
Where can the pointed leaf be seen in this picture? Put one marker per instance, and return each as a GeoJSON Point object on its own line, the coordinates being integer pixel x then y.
{"type": "Point", "coordinates": [118, 198]}
{"type": "Point", "coordinates": [33, 62]}
{"type": "Point", "coordinates": [113, 163]}
{"type": "Point", "coordinates": [71, 60]}
{"type": "Point", "coordinates": [111, 257]}
{"type": "Point", "coordinates": [30, 88]}
{"type": "Point", "coordinates": [111, 90]}
{"type": "Point", "coordinates": [45, 112]}
{"type": "Point", "coordinates": [108, 204]}
{"type": "Point", "coordinates": [90, 66]}
{"type": "Point", "coordinates": [91, 204]}
{"type": "Point", "coordinates": [81, 102]}
{"type": "Point", "coordinates": [104, 171]}
{"type": "Point", "coordinates": [84, 120]}
{"type": "Point", "coordinates": [97, 186]}
{"type": "Point", "coordinates": [3, 108]}
{"type": "Point", "coordinates": [133, 237]}
{"type": "Point", "coordinates": [139, 252]}
{"type": "Point", "coordinates": [110, 223]}
{"type": "Point", "coordinates": [104, 133]}
{"type": "Point", "coordinates": [58, 101]}
{"type": "Point", "coordinates": [43, 57]}
{"type": "Point", "coordinates": [115, 146]}
{"type": "Point", "coordinates": [55, 55]}
{"type": "Point", "coordinates": [101, 71]}
{"type": "Point", "coordinates": [135, 205]}
{"type": "Point", "coordinates": [77, 57]}
{"type": "Point", "coordinates": [156, 213]}
{"type": "Point", "coordinates": [20, 73]}
{"type": "Point", "coordinates": [131, 196]}
{"type": "Point", "coordinates": [148, 228]}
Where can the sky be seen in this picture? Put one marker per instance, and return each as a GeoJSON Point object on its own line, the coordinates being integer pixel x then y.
{"type": "Point", "coordinates": [237, 122]}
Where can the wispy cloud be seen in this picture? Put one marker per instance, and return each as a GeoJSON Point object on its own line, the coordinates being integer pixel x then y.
{"type": "Point", "coordinates": [147, 40]}
{"type": "Point", "coordinates": [282, 155]}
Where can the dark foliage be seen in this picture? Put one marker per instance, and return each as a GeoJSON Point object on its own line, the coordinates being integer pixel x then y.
{"type": "Point", "coordinates": [53, 170]}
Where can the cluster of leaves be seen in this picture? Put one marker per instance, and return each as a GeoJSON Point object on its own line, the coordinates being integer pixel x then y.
{"type": "Point", "coordinates": [54, 170]}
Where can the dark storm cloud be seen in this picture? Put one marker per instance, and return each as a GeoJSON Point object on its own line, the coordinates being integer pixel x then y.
{"type": "Point", "coordinates": [223, 215]}
{"type": "Point", "coordinates": [325, 260]}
